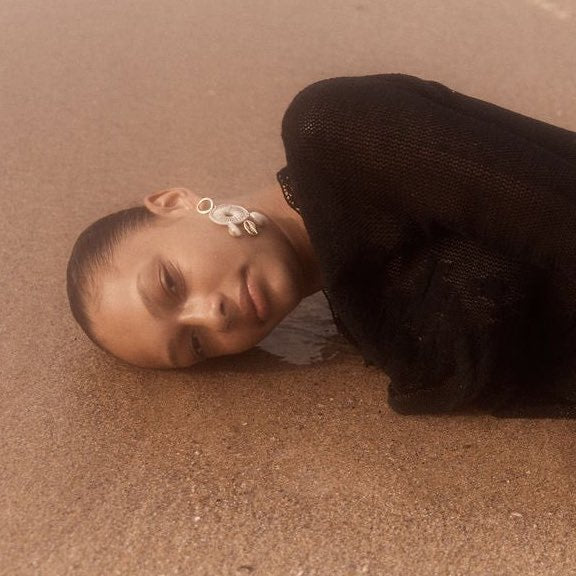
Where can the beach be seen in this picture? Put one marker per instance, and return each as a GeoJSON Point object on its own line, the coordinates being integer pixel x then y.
{"type": "Point", "coordinates": [285, 460]}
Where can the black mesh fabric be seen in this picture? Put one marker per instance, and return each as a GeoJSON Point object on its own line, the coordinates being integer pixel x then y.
{"type": "Point", "coordinates": [446, 231]}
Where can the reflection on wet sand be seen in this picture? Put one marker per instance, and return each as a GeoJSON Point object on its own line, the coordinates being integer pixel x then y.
{"type": "Point", "coordinates": [308, 335]}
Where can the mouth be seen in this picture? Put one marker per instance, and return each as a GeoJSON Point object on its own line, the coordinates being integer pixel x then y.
{"type": "Point", "coordinates": [253, 300]}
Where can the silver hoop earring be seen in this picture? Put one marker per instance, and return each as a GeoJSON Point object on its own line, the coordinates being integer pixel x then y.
{"type": "Point", "coordinates": [232, 216]}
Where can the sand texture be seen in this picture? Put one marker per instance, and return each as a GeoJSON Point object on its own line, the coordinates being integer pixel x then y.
{"type": "Point", "coordinates": [250, 465]}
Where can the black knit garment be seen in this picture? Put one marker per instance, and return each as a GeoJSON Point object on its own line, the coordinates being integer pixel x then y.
{"type": "Point", "coordinates": [446, 231]}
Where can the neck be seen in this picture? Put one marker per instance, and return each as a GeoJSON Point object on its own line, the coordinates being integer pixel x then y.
{"type": "Point", "coordinates": [271, 202]}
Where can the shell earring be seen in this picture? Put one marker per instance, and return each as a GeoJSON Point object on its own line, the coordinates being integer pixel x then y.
{"type": "Point", "coordinates": [233, 216]}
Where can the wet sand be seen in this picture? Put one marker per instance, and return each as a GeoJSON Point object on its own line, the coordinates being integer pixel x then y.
{"type": "Point", "coordinates": [286, 460]}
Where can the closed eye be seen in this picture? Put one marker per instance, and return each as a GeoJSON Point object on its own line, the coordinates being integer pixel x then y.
{"type": "Point", "coordinates": [172, 283]}
{"type": "Point", "coordinates": [168, 282]}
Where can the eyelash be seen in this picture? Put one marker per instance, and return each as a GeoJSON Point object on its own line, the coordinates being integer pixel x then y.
{"type": "Point", "coordinates": [165, 279]}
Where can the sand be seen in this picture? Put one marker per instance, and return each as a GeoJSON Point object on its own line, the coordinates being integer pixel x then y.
{"type": "Point", "coordinates": [250, 465]}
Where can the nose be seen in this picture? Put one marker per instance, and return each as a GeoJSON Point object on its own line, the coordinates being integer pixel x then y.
{"type": "Point", "coordinates": [210, 311]}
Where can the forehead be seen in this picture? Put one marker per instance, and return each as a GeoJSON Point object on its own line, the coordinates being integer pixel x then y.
{"type": "Point", "coordinates": [122, 324]}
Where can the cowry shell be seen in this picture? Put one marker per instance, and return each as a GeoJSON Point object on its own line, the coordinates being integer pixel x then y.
{"type": "Point", "coordinates": [258, 218]}
{"type": "Point", "coordinates": [233, 230]}
{"type": "Point", "coordinates": [250, 227]}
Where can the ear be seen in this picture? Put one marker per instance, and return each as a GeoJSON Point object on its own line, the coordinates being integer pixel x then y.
{"type": "Point", "coordinates": [171, 202]}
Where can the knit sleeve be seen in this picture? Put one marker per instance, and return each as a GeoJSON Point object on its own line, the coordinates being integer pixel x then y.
{"type": "Point", "coordinates": [440, 157]}
{"type": "Point", "coordinates": [447, 221]}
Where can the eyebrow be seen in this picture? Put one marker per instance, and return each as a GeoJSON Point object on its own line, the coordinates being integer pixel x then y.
{"type": "Point", "coordinates": [154, 310]}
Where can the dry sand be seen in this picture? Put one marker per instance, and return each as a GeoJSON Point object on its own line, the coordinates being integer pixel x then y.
{"type": "Point", "coordinates": [250, 465]}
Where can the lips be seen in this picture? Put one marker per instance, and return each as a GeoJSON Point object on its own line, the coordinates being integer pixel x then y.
{"type": "Point", "coordinates": [246, 304]}
{"type": "Point", "coordinates": [252, 300]}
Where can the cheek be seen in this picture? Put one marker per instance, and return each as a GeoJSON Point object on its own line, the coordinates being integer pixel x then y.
{"type": "Point", "coordinates": [284, 281]}
{"type": "Point", "coordinates": [242, 338]}
{"type": "Point", "coordinates": [204, 238]}
{"type": "Point", "coordinates": [237, 341]}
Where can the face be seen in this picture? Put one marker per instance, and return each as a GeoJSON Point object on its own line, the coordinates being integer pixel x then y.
{"type": "Point", "coordinates": [183, 289]}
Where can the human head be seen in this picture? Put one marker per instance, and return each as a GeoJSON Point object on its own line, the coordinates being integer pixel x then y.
{"type": "Point", "coordinates": [162, 286]}
{"type": "Point", "coordinates": [92, 253]}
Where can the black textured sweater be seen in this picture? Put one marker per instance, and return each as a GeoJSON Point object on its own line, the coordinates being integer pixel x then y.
{"type": "Point", "coordinates": [446, 231]}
